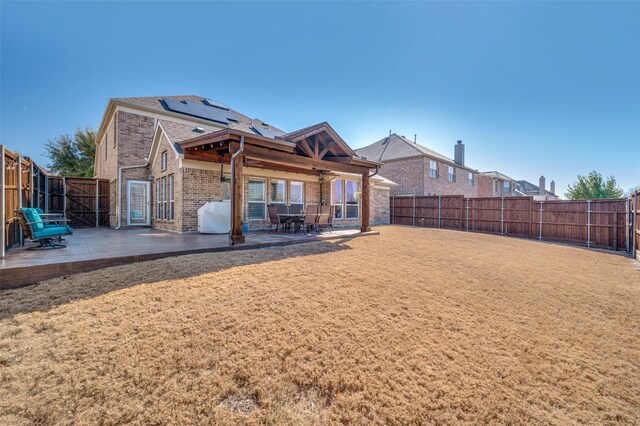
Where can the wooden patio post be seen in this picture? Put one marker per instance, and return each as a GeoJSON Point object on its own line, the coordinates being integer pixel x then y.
{"type": "Point", "coordinates": [236, 201]}
{"type": "Point", "coordinates": [366, 202]}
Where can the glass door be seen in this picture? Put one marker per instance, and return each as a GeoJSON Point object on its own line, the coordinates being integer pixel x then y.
{"type": "Point", "coordinates": [138, 203]}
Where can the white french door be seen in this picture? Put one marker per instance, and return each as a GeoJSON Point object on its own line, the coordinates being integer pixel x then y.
{"type": "Point", "coordinates": [138, 203]}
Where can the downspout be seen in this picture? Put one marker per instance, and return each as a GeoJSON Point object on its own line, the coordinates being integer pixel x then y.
{"type": "Point", "coordinates": [233, 186]}
{"type": "Point", "coordinates": [119, 193]}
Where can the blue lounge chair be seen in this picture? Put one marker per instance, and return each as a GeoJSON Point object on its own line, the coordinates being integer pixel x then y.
{"type": "Point", "coordinates": [52, 219]}
{"type": "Point", "coordinates": [34, 228]}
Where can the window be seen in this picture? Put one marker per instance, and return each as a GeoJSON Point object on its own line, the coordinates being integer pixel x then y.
{"type": "Point", "coordinates": [506, 187]}
{"type": "Point", "coordinates": [297, 193]}
{"type": "Point", "coordinates": [451, 173]}
{"type": "Point", "coordinates": [471, 183]}
{"type": "Point", "coordinates": [433, 169]}
{"type": "Point", "coordinates": [163, 165]}
{"type": "Point", "coordinates": [495, 182]}
{"type": "Point", "coordinates": [338, 197]}
{"type": "Point", "coordinates": [353, 199]}
{"type": "Point", "coordinates": [278, 191]}
{"type": "Point", "coordinates": [226, 187]}
{"type": "Point", "coordinates": [257, 200]}
{"type": "Point", "coordinates": [158, 200]}
{"type": "Point", "coordinates": [171, 191]}
{"type": "Point", "coordinates": [164, 197]}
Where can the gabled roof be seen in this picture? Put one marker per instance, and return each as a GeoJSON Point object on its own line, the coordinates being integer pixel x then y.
{"type": "Point", "coordinates": [324, 127]}
{"type": "Point", "coordinates": [527, 187]}
{"type": "Point", "coordinates": [497, 175]}
{"type": "Point", "coordinates": [395, 147]}
{"type": "Point", "coordinates": [155, 104]}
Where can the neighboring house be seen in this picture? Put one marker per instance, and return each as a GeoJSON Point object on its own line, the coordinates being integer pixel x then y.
{"type": "Point", "coordinates": [539, 193]}
{"type": "Point", "coordinates": [166, 156]}
{"type": "Point", "coordinates": [496, 184]}
{"type": "Point", "coordinates": [418, 170]}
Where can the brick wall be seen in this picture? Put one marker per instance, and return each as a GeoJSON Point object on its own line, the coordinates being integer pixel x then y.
{"type": "Point", "coordinates": [413, 177]}
{"type": "Point", "coordinates": [134, 135]}
{"type": "Point", "coordinates": [485, 186]}
{"type": "Point", "coordinates": [442, 186]}
{"type": "Point", "coordinates": [155, 173]}
{"type": "Point", "coordinates": [407, 173]}
{"type": "Point", "coordinates": [380, 208]}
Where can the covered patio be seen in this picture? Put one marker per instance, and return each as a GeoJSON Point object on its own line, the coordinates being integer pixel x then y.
{"type": "Point", "coordinates": [94, 248]}
{"type": "Point", "coordinates": [316, 151]}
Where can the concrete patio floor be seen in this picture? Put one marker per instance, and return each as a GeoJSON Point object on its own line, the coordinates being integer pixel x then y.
{"type": "Point", "coordinates": [91, 248]}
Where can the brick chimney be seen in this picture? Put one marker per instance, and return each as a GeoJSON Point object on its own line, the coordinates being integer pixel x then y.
{"type": "Point", "coordinates": [459, 154]}
{"type": "Point", "coordinates": [552, 187]}
{"type": "Point", "coordinates": [542, 190]}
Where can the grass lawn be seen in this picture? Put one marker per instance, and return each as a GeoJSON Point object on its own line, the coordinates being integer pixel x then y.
{"type": "Point", "coordinates": [411, 326]}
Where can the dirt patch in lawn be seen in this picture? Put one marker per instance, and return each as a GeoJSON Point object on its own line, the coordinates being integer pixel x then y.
{"type": "Point", "coordinates": [411, 326]}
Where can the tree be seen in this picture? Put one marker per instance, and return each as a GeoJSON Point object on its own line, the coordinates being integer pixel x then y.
{"type": "Point", "coordinates": [594, 186]}
{"type": "Point", "coordinates": [73, 156]}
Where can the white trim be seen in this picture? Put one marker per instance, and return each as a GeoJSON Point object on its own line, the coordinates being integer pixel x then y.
{"type": "Point", "coordinates": [265, 192]}
{"type": "Point", "coordinates": [270, 194]}
{"type": "Point", "coordinates": [148, 201]}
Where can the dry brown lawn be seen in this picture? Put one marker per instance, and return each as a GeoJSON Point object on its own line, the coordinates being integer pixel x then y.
{"type": "Point", "coordinates": [414, 326]}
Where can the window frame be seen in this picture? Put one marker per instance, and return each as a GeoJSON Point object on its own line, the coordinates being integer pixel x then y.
{"type": "Point", "coordinates": [158, 201]}
{"type": "Point", "coordinates": [451, 173]}
{"type": "Point", "coordinates": [171, 190]}
{"type": "Point", "coordinates": [296, 183]}
{"type": "Point", "coordinates": [284, 187]}
{"type": "Point", "coordinates": [347, 204]}
{"type": "Point", "coordinates": [471, 180]}
{"type": "Point", "coordinates": [263, 202]}
{"type": "Point", "coordinates": [341, 203]}
{"type": "Point", "coordinates": [164, 160]}
{"type": "Point", "coordinates": [433, 171]}
{"type": "Point", "coordinates": [164, 197]}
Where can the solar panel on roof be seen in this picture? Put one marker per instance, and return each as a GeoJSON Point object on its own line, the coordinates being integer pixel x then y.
{"type": "Point", "coordinates": [215, 104]}
{"type": "Point", "coordinates": [230, 116]}
{"type": "Point", "coordinates": [176, 106]}
{"type": "Point", "coordinates": [206, 112]}
{"type": "Point", "coordinates": [267, 133]}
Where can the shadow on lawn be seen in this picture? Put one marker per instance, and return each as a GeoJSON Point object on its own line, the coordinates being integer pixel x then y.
{"type": "Point", "coordinates": [85, 285]}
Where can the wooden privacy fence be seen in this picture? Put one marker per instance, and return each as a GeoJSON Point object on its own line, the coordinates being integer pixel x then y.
{"type": "Point", "coordinates": [635, 209]}
{"type": "Point", "coordinates": [594, 223]}
{"type": "Point", "coordinates": [84, 201]}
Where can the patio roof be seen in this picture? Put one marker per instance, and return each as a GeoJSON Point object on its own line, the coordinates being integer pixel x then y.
{"type": "Point", "coordinates": [314, 150]}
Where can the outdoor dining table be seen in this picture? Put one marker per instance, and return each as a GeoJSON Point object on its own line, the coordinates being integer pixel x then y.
{"type": "Point", "coordinates": [294, 218]}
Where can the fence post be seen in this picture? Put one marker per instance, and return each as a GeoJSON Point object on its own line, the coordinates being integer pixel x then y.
{"type": "Point", "coordinates": [414, 210]}
{"type": "Point", "coordinates": [626, 226]}
{"type": "Point", "coordinates": [588, 223]}
{"type": "Point", "coordinates": [3, 242]}
{"type": "Point", "coordinates": [46, 193]}
{"type": "Point", "coordinates": [502, 216]}
{"type": "Point", "coordinates": [541, 208]}
{"type": "Point", "coordinates": [615, 231]}
{"type": "Point", "coordinates": [31, 185]}
{"type": "Point", "coordinates": [97, 204]}
{"type": "Point", "coordinates": [64, 197]}
{"type": "Point", "coordinates": [467, 214]}
{"type": "Point", "coordinates": [461, 211]}
{"type": "Point", "coordinates": [439, 211]}
{"type": "Point", "coordinates": [531, 218]}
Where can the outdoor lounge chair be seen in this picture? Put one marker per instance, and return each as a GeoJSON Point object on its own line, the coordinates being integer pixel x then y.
{"type": "Point", "coordinates": [34, 228]}
{"type": "Point", "coordinates": [324, 218]}
{"type": "Point", "coordinates": [310, 220]}
{"type": "Point", "coordinates": [52, 219]}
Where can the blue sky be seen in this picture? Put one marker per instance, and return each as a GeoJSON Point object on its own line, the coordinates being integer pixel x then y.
{"type": "Point", "coordinates": [531, 88]}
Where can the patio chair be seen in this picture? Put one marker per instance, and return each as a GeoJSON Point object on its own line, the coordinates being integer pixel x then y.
{"type": "Point", "coordinates": [295, 209]}
{"type": "Point", "coordinates": [310, 220]}
{"type": "Point", "coordinates": [53, 219]}
{"type": "Point", "coordinates": [323, 218]}
{"type": "Point", "coordinates": [35, 230]}
{"type": "Point", "coordinates": [274, 219]}
{"type": "Point", "coordinates": [312, 208]}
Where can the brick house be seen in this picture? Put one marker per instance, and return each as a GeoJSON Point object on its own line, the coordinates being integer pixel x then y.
{"type": "Point", "coordinates": [496, 184]}
{"type": "Point", "coordinates": [538, 192]}
{"type": "Point", "coordinates": [162, 162]}
{"type": "Point", "coordinates": [418, 170]}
